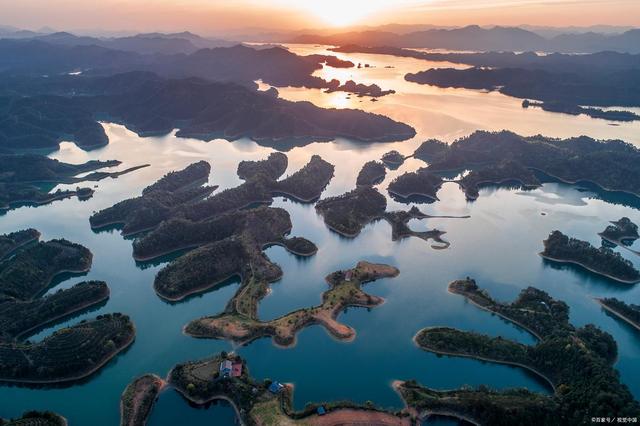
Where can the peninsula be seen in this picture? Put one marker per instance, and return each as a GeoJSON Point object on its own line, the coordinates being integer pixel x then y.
{"type": "Point", "coordinates": [610, 164]}
{"type": "Point", "coordinates": [349, 213]}
{"type": "Point", "coordinates": [138, 399]}
{"type": "Point", "coordinates": [629, 313]}
{"type": "Point", "coordinates": [622, 233]}
{"type": "Point", "coordinates": [602, 261]}
{"type": "Point", "coordinates": [69, 354]}
{"type": "Point", "coordinates": [572, 109]}
{"type": "Point", "coordinates": [158, 202]}
{"type": "Point", "coordinates": [241, 325]}
{"type": "Point", "coordinates": [372, 173]}
{"type": "Point", "coordinates": [27, 178]}
{"type": "Point", "coordinates": [267, 402]}
{"type": "Point", "coordinates": [13, 241]}
{"type": "Point", "coordinates": [231, 245]}
{"type": "Point", "coordinates": [36, 418]}
{"type": "Point", "coordinates": [500, 174]}
{"type": "Point", "coordinates": [421, 183]}
{"type": "Point", "coordinates": [577, 362]}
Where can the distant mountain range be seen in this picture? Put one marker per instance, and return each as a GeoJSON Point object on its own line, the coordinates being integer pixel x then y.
{"type": "Point", "coordinates": [484, 39]}
{"type": "Point", "coordinates": [150, 43]}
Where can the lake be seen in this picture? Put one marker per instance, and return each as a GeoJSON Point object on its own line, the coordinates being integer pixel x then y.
{"type": "Point", "coordinates": [497, 245]}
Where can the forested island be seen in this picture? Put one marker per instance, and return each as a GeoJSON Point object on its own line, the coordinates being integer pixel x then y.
{"type": "Point", "coordinates": [577, 362]}
{"type": "Point", "coordinates": [180, 196]}
{"type": "Point", "coordinates": [138, 399]}
{"type": "Point", "coordinates": [602, 261]}
{"type": "Point", "coordinates": [393, 159]}
{"type": "Point", "coordinates": [572, 109]}
{"type": "Point", "coordinates": [562, 82]}
{"type": "Point", "coordinates": [69, 354]}
{"type": "Point", "coordinates": [36, 418]}
{"type": "Point", "coordinates": [349, 213]}
{"type": "Point", "coordinates": [372, 173]}
{"type": "Point", "coordinates": [30, 271]}
{"type": "Point", "coordinates": [612, 164]}
{"type": "Point", "coordinates": [622, 232]}
{"type": "Point", "coordinates": [421, 183]}
{"type": "Point", "coordinates": [9, 243]}
{"type": "Point", "coordinates": [626, 312]}
{"type": "Point", "coordinates": [240, 324]}
{"type": "Point", "coordinates": [199, 108]}
{"type": "Point", "coordinates": [26, 178]}
{"type": "Point", "coordinates": [502, 173]}
{"type": "Point", "coordinates": [158, 202]}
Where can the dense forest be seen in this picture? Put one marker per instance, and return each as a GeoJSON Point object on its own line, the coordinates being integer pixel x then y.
{"type": "Point", "coordinates": [603, 260]}
{"type": "Point", "coordinates": [577, 361]}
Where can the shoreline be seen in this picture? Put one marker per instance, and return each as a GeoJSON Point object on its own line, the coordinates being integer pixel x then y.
{"type": "Point", "coordinates": [602, 274]}
{"type": "Point", "coordinates": [66, 314]}
{"type": "Point", "coordinates": [484, 308]}
{"type": "Point", "coordinates": [19, 246]}
{"type": "Point", "coordinates": [201, 289]}
{"type": "Point", "coordinates": [618, 243]}
{"type": "Point", "coordinates": [616, 313]}
{"type": "Point", "coordinates": [414, 194]}
{"type": "Point", "coordinates": [81, 376]}
{"type": "Point", "coordinates": [480, 358]}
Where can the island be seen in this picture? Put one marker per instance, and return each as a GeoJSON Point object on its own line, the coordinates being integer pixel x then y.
{"type": "Point", "coordinates": [69, 354]}
{"type": "Point", "coordinates": [226, 108]}
{"type": "Point", "coordinates": [31, 270]}
{"type": "Point", "coordinates": [226, 376]}
{"type": "Point", "coordinates": [572, 109]}
{"type": "Point", "coordinates": [610, 164]}
{"type": "Point", "coordinates": [576, 362]}
{"type": "Point", "coordinates": [393, 159]}
{"type": "Point", "coordinates": [400, 229]}
{"type": "Point", "coordinates": [502, 173]}
{"type": "Point", "coordinates": [158, 201]}
{"type": "Point", "coordinates": [372, 173]}
{"type": "Point", "coordinates": [13, 241]}
{"type": "Point", "coordinates": [26, 179]}
{"type": "Point", "coordinates": [241, 325]}
{"type": "Point", "coordinates": [188, 200]}
{"type": "Point", "coordinates": [622, 233]}
{"type": "Point", "coordinates": [20, 318]}
{"type": "Point", "coordinates": [273, 167]}
{"type": "Point", "coordinates": [481, 406]}
{"type": "Point", "coordinates": [602, 261]}
{"type": "Point", "coordinates": [421, 183]}
{"type": "Point", "coordinates": [629, 313]}
{"type": "Point", "coordinates": [36, 418]}
{"type": "Point", "coordinates": [307, 184]}
{"type": "Point", "coordinates": [349, 213]}
{"type": "Point", "coordinates": [138, 399]}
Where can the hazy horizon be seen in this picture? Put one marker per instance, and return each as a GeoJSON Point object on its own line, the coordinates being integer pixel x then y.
{"type": "Point", "coordinates": [215, 16]}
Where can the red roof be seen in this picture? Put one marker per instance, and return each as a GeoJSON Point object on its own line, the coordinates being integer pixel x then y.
{"type": "Point", "coordinates": [236, 370]}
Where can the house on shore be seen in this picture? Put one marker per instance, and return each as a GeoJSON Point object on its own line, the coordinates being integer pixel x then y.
{"type": "Point", "coordinates": [226, 368]}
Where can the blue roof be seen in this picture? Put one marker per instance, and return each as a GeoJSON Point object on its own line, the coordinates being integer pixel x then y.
{"type": "Point", "coordinates": [321, 410]}
{"type": "Point", "coordinates": [275, 387]}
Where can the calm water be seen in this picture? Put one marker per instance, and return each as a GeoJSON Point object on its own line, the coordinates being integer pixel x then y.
{"type": "Point", "coordinates": [498, 246]}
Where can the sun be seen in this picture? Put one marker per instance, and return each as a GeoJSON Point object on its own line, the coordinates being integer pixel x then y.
{"type": "Point", "coordinates": [341, 13]}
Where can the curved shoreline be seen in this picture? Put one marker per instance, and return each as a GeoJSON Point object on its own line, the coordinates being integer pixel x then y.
{"type": "Point", "coordinates": [478, 186]}
{"type": "Point", "coordinates": [201, 289]}
{"type": "Point", "coordinates": [163, 384]}
{"type": "Point", "coordinates": [414, 194]}
{"type": "Point", "coordinates": [616, 313]}
{"type": "Point", "coordinates": [81, 376]}
{"type": "Point", "coordinates": [504, 317]}
{"type": "Point", "coordinates": [19, 246]}
{"type": "Point", "coordinates": [602, 274]}
{"type": "Point", "coordinates": [80, 308]}
{"type": "Point", "coordinates": [618, 243]}
{"type": "Point", "coordinates": [481, 358]}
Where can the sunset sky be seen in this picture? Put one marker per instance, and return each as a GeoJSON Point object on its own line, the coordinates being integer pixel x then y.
{"type": "Point", "coordinates": [214, 16]}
